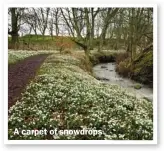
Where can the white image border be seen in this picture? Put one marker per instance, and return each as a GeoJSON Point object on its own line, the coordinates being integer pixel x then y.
{"type": "Point", "coordinates": [43, 142]}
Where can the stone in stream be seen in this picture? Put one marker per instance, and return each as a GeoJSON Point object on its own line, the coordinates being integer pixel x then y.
{"type": "Point", "coordinates": [103, 66]}
{"type": "Point", "coordinates": [121, 80]}
{"type": "Point", "coordinates": [148, 98]}
{"type": "Point", "coordinates": [138, 86]}
{"type": "Point", "coordinates": [105, 74]}
{"type": "Point", "coordinates": [104, 79]}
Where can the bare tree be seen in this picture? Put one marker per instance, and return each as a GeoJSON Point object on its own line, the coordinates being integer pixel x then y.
{"type": "Point", "coordinates": [81, 23]}
{"type": "Point", "coordinates": [131, 27]}
{"type": "Point", "coordinates": [42, 18]}
{"type": "Point", "coordinates": [31, 19]}
{"type": "Point", "coordinates": [54, 21]}
{"type": "Point", "coordinates": [109, 14]}
{"type": "Point", "coordinates": [16, 21]}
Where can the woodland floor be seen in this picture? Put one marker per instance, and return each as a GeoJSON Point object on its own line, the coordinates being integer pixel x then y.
{"type": "Point", "coordinates": [20, 74]}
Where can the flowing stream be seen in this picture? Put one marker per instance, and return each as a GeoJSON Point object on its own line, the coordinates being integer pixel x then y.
{"type": "Point", "coordinates": [106, 73]}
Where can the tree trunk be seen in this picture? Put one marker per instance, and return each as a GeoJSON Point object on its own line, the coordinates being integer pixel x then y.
{"type": "Point", "coordinates": [86, 51]}
{"type": "Point", "coordinates": [14, 33]}
{"type": "Point", "coordinates": [100, 44]}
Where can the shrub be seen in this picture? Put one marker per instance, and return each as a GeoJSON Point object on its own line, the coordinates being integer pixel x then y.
{"type": "Point", "coordinates": [102, 56]}
{"type": "Point", "coordinates": [67, 51]}
{"type": "Point", "coordinates": [121, 57]}
{"type": "Point", "coordinates": [123, 68]}
{"type": "Point", "coordinates": [63, 43]}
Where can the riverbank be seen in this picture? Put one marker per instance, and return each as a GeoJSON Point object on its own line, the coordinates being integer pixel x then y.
{"type": "Point", "coordinates": [140, 69]}
{"type": "Point", "coordinates": [106, 73]}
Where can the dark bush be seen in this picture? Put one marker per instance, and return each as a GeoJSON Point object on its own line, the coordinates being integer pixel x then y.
{"type": "Point", "coordinates": [102, 57]}
{"type": "Point", "coordinates": [121, 57]}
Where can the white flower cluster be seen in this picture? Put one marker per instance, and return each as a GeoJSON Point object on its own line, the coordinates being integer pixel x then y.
{"type": "Point", "coordinates": [14, 56]}
{"type": "Point", "coordinates": [63, 96]}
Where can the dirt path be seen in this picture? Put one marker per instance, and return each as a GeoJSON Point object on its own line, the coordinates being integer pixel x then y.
{"type": "Point", "coordinates": [20, 74]}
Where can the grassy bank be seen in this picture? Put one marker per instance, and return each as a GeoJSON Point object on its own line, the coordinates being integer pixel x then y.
{"type": "Point", "coordinates": [65, 96]}
{"type": "Point", "coordinates": [39, 42]}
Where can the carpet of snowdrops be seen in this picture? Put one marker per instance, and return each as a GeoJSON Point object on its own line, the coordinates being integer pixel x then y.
{"type": "Point", "coordinates": [17, 55]}
{"type": "Point", "coordinates": [64, 96]}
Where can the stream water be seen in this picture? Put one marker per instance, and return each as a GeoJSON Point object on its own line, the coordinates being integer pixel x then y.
{"type": "Point", "coordinates": [106, 73]}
